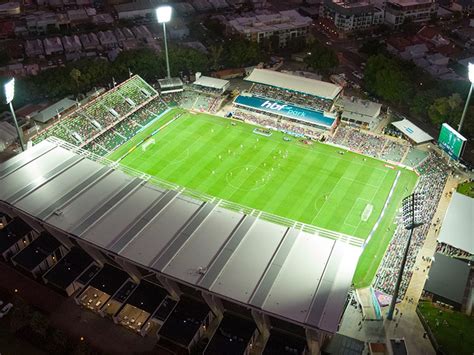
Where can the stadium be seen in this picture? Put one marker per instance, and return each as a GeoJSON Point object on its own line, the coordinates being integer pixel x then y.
{"type": "Point", "coordinates": [220, 207]}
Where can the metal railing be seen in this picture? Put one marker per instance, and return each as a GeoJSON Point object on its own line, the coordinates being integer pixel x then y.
{"type": "Point", "coordinates": [233, 206]}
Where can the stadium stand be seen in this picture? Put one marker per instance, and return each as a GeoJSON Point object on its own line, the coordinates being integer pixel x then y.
{"type": "Point", "coordinates": [86, 123]}
{"type": "Point", "coordinates": [292, 97]}
{"type": "Point", "coordinates": [433, 174]}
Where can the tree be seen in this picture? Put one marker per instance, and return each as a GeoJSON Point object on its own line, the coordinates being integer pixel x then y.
{"type": "Point", "coordinates": [215, 56]}
{"type": "Point", "coordinates": [321, 58]}
{"type": "Point", "coordinates": [372, 47]}
{"type": "Point", "coordinates": [39, 323]}
{"type": "Point", "coordinates": [20, 315]}
{"type": "Point", "coordinates": [75, 75]}
{"type": "Point", "coordinates": [386, 78]}
{"type": "Point", "coordinates": [422, 101]}
{"type": "Point", "coordinates": [241, 52]}
{"type": "Point", "coordinates": [4, 58]}
{"type": "Point", "coordinates": [446, 109]}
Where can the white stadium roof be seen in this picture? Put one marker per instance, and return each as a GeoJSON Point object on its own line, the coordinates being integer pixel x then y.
{"type": "Point", "coordinates": [458, 225]}
{"type": "Point", "coordinates": [213, 83]}
{"type": "Point", "coordinates": [412, 131]}
{"type": "Point", "coordinates": [295, 83]}
{"type": "Point", "coordinates": [299, 276]}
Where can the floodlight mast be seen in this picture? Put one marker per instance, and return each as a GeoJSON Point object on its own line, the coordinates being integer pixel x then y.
{"type": "Point", "coordinates": [412, 218]}
{"type": "Point", "coordinates": [163, 14]}
{"type": "Point", "coordinates": [9, 88]}
{"type": "Point", "coordinates": [471, 79]}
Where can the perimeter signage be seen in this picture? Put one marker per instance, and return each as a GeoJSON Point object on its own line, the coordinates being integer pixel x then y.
{"type": "Point", "coordinates": [286, 110]}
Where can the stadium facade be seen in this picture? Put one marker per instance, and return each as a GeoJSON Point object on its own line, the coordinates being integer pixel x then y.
{"type": "Point", "coordinates": [289, 97]}
{"type": "Point", "coordinates": [134, 236]}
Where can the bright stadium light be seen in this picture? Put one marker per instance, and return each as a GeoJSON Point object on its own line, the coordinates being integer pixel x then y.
{"type": "Point", "coordinates": [412, 209]}
{"type": "Point", "coordinates": [470, 69]}
{"type": "Point", "coordinates": [163, 14]}
{"type": "Point", "coordinates": [9, 89]}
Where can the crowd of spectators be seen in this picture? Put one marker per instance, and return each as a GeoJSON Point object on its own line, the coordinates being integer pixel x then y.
{"type": "Point", "coordinates": [434, 173]}
{"type": "Point", "coordinates": [194, 100]}
{"type": "Point", "coordinates": [291, 97]}
{"type": "Point", "coordinates": [378, 146]}
{"type": "Point", "coordinates": [449, 250]}
{"type": "Point", "coordinates": [278, 124]}
{"type": "Point", "coordinates": [126, 129]}
{"type": "Point", "coordinates": [206, 90]}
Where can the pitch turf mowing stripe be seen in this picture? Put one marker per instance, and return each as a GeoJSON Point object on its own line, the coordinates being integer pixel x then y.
{"type": "Point", "coordinates": [187, 152]}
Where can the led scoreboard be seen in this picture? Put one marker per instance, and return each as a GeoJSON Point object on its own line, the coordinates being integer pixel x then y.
{"type": "Point", "coordinates": [451, 141]}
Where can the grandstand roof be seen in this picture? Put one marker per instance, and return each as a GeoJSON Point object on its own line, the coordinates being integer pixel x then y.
{"type": "Point", "coordinates": [300, 276]}
{"type": "Point", "coordinates": [448, 278]}
{"type": "Point", "coordinates": [458, 223]}
{"type": "Point", "coordinates": [52, 111]}
{"type": "Point", "coordinates": [359, 110]}
{"type": "Point", "coordinates": [167, 83]}
{"type": "Point", "coordinates": [296, 83]}
{"type": "Point", "coordinates": [412, 131]}
{"type": "Point", "coordinates": [213, 83]}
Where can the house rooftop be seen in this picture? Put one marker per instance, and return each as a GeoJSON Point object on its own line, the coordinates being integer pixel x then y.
{"type": "Point", "coordinates": [147, 296]}
{"type": "Point", "coordinates": [12, 233]}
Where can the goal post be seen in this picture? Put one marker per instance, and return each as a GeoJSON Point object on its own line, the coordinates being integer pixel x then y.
{"type": "Point", "coordinates": [367, 212]}
{"type": "Point", "coordinates": [147, 143]}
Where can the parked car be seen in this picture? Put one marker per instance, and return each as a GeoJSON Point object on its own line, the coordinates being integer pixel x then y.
{"type": "Point", "coordinates": [5, 310]}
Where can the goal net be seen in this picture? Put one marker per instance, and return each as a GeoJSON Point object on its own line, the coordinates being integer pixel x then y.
{"type": "Point", "coordinates": [146, 144]}
{"type": "Point", "coordinates": [367, 212]}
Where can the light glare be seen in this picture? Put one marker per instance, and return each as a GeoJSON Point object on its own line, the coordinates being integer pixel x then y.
{"type": "Point", "coordinates": [9, 91]}
{"type": "Point", "coordinates": [471, 72]}
{"type": "Point", "coordinates": [163, 13]}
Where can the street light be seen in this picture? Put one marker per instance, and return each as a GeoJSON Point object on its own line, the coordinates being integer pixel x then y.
{"type": "Point", "coordinates": [470, 69]}
{"type": "Point", "coordinates": [412, 218]}
{"type": "Point", "coordinates": [9, 88]}
{"type": "Point", "coordinates": [163, 13]}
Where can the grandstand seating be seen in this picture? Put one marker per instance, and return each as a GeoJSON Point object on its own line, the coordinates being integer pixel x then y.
{"type": "Point", "coordinates": [126, 129]}
{"type": "Point", "coordinates": [291, 97]}
{"type": "Point", "coordinates": [88, 121]}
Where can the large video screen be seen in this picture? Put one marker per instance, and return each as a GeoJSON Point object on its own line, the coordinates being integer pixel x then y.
{"type": "Point", "coordinates": [451, 141]}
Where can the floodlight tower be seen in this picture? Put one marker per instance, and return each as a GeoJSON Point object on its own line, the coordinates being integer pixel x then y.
{"type": "Point", "coordinates": [9, 88]}
{"type": "Point", "coordinates": [470, 69]}
{"type": "Point", "coordinates": [163, 13]}
{"type": "Point", "coordinates": [412, 218]}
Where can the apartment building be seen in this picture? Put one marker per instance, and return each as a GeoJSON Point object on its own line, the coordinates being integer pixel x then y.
{"type": "Point", "coordinates": [351, 16]}
{"type": "Point", "coordinates": [419, 11]}
{"type": "Point", "coordinates": [287, 25]}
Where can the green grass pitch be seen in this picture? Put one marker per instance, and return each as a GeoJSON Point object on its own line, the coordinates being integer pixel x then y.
{"type": "Point", "coordinates": [313, 184]}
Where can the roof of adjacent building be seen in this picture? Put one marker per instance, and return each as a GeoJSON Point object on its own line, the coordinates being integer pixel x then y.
{"type": "Point", "coordinates": [167, 83]}
{"type": "Point", "coordinates": [412, 131]}
{"type": "Point", "coordinates": [37, 251]}
{"type": "Point", "coordinates": [358, 109]}
{"type": "Point", "coordinates": [68, 269]}
{"type": "Point", "coordinates": [458, 223]}
{"type": "Point", "coordinates": [448, 278]}
{"type": "Point", "coordinates": [211, 82]}
{"type": "Point", "coordinates": [304, 85]}
{"type": "Point", "coordinates": [246, 257]}
{"type": "Point", "coordinates": [351, 8]}
{"type": "Point", "coordinates": [51, 111]}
